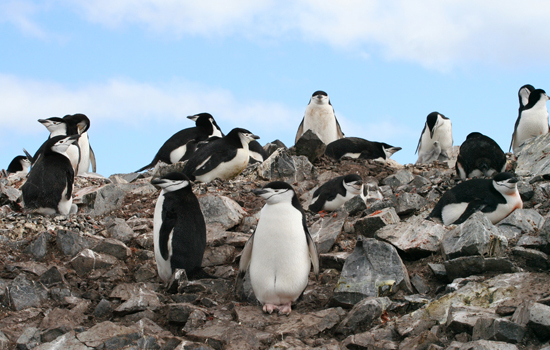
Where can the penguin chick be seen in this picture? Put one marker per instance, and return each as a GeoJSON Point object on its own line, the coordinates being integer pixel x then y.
{"type": "Point", "coordinates": [180, 146]}
{"type": "Point", "coordinates": [319, 117]}
{"type": "Point", "coordinates": [49, 185]}
{"type": "Point", "coordinates": [280, 252]}
{"type": "Point", "coordinates": [222, 158]}
{"type": "Point", "coordinates": [335, 192]}
{"type": "Point", "coordinates": [179, 229]}
{"type": "Point", "coordinates": [479, 155]}
{"type": "Point", "coordinates": [496, 197]}
{"type": "Point", "coordinates": [437, 128]}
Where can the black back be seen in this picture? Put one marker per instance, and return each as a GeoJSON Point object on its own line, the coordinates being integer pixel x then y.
{"type": "Point", "coordinates": [15, 165]}
{"type": "Point", "coordinates": [368, 149]}
{"type": "Point", "coordinates": [480, 152]}
{"type": "Point", "coordinates": [330, 189]}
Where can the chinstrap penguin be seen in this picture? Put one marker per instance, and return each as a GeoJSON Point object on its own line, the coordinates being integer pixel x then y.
{"type": "Point", "coordinates": [257, 152]}
{"type": "Point", "coordinates": [279, 254]}
{"type": "Point", "coordinates": [479, 155]}
{"type": "Point", "coordinates": [532, 120]}
{"type": "Point", "coordinates": [19, 165]}
{"type": "Point", "coordinates": [182, 144]}
{"type": "Point", "coordinates": [49, 186]}
{"type": "Point", "coordinates": [87, 156]}
{"type": "Point", "coordinates": [319, 117]}
{"type": "Point", "coordinates": [496, 197]}
{"type": "Point", "coordinates": [334, 193]}
{"type": "Point", "coordinates": [223, 158]}
{"type": "Point", "coordinates": [437, 128]}
{"type": "Point", "coordinates": [356, 147]}
{"type": "Point", "coordinates": [179, 229]}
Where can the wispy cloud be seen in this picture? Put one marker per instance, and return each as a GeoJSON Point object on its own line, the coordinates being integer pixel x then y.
{"type": "Point", "coordinates": [21, 13]}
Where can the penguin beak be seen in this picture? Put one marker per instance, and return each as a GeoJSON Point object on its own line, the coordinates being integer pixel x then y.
{"type": "Point", "coordinates": [157, 182]}
{"type": "Point", "coordinates": [193, 117]}
{"type": "Point", "coordinates": [43, 121]}
{"type": "Point", "coordinates": [513, 180]}
{"type": "Point", "coordinates": [255, 137]}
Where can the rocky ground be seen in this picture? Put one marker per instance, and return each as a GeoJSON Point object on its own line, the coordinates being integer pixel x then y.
{"type": "Point", "coordinates": [389, 279]}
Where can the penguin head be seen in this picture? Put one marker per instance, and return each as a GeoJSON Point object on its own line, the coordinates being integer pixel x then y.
{"type": "Point", "coordinates": [59, 144]}
{"type": "Point", "coordinates": [206, 122]}
{"type": "Point", "coordinates": [276, 192]}
{"type": "Point", "coordinates": [25, 163]}
{"type": "Point", "coordinates": [523, 94]}
{"type": "Point", "coordinates": [353, 183]}
{"type": "Point", "coordinates": [433, 121]}
{"type": "Point", "coordinates": [56, 126]}
{"type": "Point", "coordinates": [505, 183]}
{"type": "Point", "coordinates": [171, 182]}
{"type": "Point", "coordinates": [242, 134]}
{"type": "Point", "coordinates": [536, 96]}
{"type": "Point", "coordinates": [389, 150]}
{"type": "Point", "coordinates": [319, 97]}
{"type": "Point", "coordinates": [80, 122]}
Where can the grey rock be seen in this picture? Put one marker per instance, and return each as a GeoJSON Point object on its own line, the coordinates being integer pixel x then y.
{"type": "Point", "coordinates": [423, 341]}
{"type": "Point", "coordinates": [125, 178]}
{"type": "Point", "coordinates": [463, 318]}
{"type": "Point", "coordinates": [370, 224]}
{"type": "Point", "coordinates": [221, 210]}
{"type": "Point", "coordinates": [355, 205]}
{"type": "Point", "coordinates": [438, 271]}
{"type": "Point", "coordinates": [144, 300]}
{"type": "Point", "coordinates": [4, 341]}
{"type": "Point", "coordinates": [273, 146]}
{"type": "Point", "coordinates": [519, 222]}
{"type": "Point", "coordinates": [51, 277]}
{"type": "Point", "coordinates": [127, 291]}
{"type": "Point", "coordinates": [146, 240]}
{"type": "Point", "coordinates": [283, 167]}
{"type": "Point", "coordinates": [145, 272]}
{"type": "Point", "coordinates": [533, 257]}
{"type": "Point", "coordinates": [227, 335]}
{"type": "Point", "coordinates": [29, 339]}
{"type": "Point", "coordinates": [499, 329]}
{"type": "Point", "coordinates": [487, 345]}
{"type": "Point", "coordinates": [37, 248]}
{"type": "Point", "coordinates": [87, 261]}
{"type": "Point", "coordinates": [534, 159]}
{"type": "Point", "coordinates": [416, 237]}
{"type": "Point", "coordinates": [308, 325]}
{"type": "Point", "coordinates": [475, 236]}
{"type": "Point", "coordinates": [114, 248]}
{"type": "Point", "coordinates": [107, 333]}
{"type": "Point", "coordinates": [179, 312]}
{"type": "Point", "coordinates": [380, 338]}
{"type": "Point", "coordinates": [333, 260]}
{"type": "Point", "coordinates": [326, 230]}
{"type": "Point", "coordinates": [67, 341]}
{"type": "Point", "coordinates": [63, 320]}
{"type": "Point", "coordinates": [419, 284]}
{"type": "Point", "coordinates": [214, 256]}
{"type": "Point", "coordinates": [24, 293]}
{"type": "Point", "coordinates": [103, 310]}
{"type": "Point", "coordinates": [71, 243]}
{"type": "Point", "coordinates": [195, 320]}
{"type": "Point", "coordinates": [118, 229]}
{"type": "Point", "coordinates": [400, 178]}
{"type": "Point", "coordinates": [373, 269]}
{"type": "Point", "coordinates": [9, 194]}
{"type": "Point", "coordinates": [539, 320]}
{"type": "Point", "coordinates": [363, 315]}
{"type": "Point", "coordinates": [102, 200]}
{"type": "Point", "coordinates": [310, 145]}
{"type": "Point", "coordinates": [408, 203]}
{"type": "Point", "coordinates": [474, 265]}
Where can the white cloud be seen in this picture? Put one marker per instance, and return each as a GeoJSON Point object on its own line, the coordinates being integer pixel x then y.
{"type": "Point", "coordinates": [20, 14]}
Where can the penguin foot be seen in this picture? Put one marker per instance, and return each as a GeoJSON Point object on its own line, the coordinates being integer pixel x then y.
{"type": "Point", "coordinates": [322, 213]}
{"type": "Point", "coordinates": [269, 308]}
{"type": "Point", "coordinates": [285, 309]}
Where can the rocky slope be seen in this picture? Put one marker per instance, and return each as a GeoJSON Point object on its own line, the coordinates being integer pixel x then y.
{"type": "Point", "coordinates": [389, 279]}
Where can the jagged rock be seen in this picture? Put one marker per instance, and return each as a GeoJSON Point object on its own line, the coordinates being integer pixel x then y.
{"type": "Point", "coordinates": [4, 341]}
{"type": "Point", "coordinates": [476, 236]}
{"type": "Point", "coordinates": [533, 257]}
{"type": "Point", "coordinates": [9, 194]}
{"type": "Point", "coordinates": [114, 248]}
{"type": "Point", "coordinates": [416, 237]}
{"type": "Point", "coordinates": [67, 341]}
{"type": "Point", "coordinates": [37, 248]}
{"type": "Point", "coordinates": [71, 243]}
{"type": "Point", "coordinates": [408, 203]}
{"type": "Point", "coordinates": [499, 329]}
{"type": "Point", "coordinates": [381, 338]}
{"type": "Point", "coordinates": [400, 178]}
{"type": "Point", "coordinates": [333, 260]}
{"type": "Point", "coordinates": [463, 318]}
{"type": "Point", "coordinates": [423, 341]}
{"type": "Point", "coordinates": [221, 210]}
{"type": "Point", "coordinates": [373, 269]}
{"type": "Point", "coordinates": [221, 255]}
{"type": "Point", "coordinates": [519, 222]}
{"type": "Point", "coordinates": [103, 309]}
{"type": "Point", "coordinates": [363, 315]}
{"type": "Point", "coordinates": [439, 271]}
{"type": "Point", "coordinates": [419, 284]}
{"type": "Point", "coordinates": [273, 146]}
{"type": "Point", "coordinates": [539, 320]}
{"type": "Point", "coordinates": [533, 159]}
{"type": "Point", "coordinates": [280, 166]}
{"type": "Point", "coordinates": [370, 224]}
{"type": "Point", "coordinates": [51, 277]}
{"type": "Point", "coordinates": [474, 265]}
{"type": "Point", "coordinates": [310, 145]}
{"type": "Point", "coordinates": [127, 291]}
{"type": "Point", "coordinates": [24, 293]}
{"type": "Point", "coordinates": [65, 319]}
{"type": "Point", "coordinates": [308, 325]}
{"type": "Point", "coordinates": [487, 345]}
{"type": "Point", "coordinates": [325, 231]}
{"type": "Point", "coordinates": [87, 261]}
{"type": "Point", "coordinates": [29, 339]}
{"type": "Point", "coordinates": [355, 205]}
{"type": "Point", "coordinates": [538, 240]}
{"type": "Point", "coordinates": [102, 200]}
{"type": "Point", "coordinates": [109, 335]}
{"type": "Point", "coordinates": [118, 229]}
{"type": "Point", "coordinates": [125, 178]}
{"type": "Point", "coordinates": [144, 300]}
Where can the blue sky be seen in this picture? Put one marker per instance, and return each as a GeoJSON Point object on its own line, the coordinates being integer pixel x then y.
{"type": "Point", "coordinates": [138, 68]}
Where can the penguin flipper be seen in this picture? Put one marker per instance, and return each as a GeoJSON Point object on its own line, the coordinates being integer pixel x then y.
{"type": "Point", "coordinates": [28, 155]}
{"type": "Point", "coordinates": [214, 158]}
{"type": "Point", "coordinates": [92, 160]}
{"type": "Point", "coordinates": [300, 131]}
{"type": "Point", "coordinates": [338, 128]}
{"type": "Point", "coordinates": [246, 254]}
{"type": "Point", "coordinates": [168, 223]}
{"type": "Point", "coordinates": [313, 254]}
{"type": "Point", "coordinates": [70, 182]}
{"type": "Point", "coordinates": [476, 205]}
{"type": "Point", "coordinates": [420, 140]}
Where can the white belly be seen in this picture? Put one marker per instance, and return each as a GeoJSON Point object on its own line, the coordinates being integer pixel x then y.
{"type": "Point", "coordinates": [280, 262]}
{"type": "Point", "coordinates": [64, 205]}
{"type": "Point", "coordinates": [84, 164]}
{"type": "Point", "coordinates": [533, 123]}
{"type": "Point", "coordinates": [73, 153]}
{"type": "Point", "coordinates": [177, 154]}
{"type": "Point", "coordinates": [451, 212]}
{"type": "Point", "coordinates": [322, 122]}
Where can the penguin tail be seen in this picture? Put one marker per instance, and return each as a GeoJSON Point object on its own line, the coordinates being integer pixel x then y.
{"type": "Point", "coordinates": [28, 155]}
{"type": "Point", "coordinates": [148, 166]}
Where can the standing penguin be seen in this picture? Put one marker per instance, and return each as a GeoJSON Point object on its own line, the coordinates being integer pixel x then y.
{"type": "Point", "coordinates": [179, 229]}
{"type": "Point", "coordinates": [437, 128]}
{"type": "Point", "coordinates": [335, 192]}
{"type": "Point", "coordinates": [222, 158]}
{"type": "Point", "coordinates": [49, 185]}
{"type": "Point", "coordinates": [479, 155]}
{"type": "Point", "coordinates": [532, 120]}
{"type": "Point", "coordinates": [319, 118]}
{"type": "Point", "coordinates": [19, 165]}
{"type": "Point", "coordinates": [182, 144]}
{"type": "Point", "coordinates": [355, 147]}
{"type": "Point", "coordinates": [496, 197]}
{"type": "Point", "coordinates": [280, 252]}
{"type": "Point", "coordinates": [79, 124]}
{"type": "Point", "coordinates": [523, 96]}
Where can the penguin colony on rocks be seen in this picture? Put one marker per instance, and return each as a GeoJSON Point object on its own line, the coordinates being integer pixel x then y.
{"type": "Point", "coordinates": [280, 253]}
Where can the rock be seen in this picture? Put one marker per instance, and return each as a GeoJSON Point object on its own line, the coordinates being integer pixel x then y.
{"type": "Point", "coordinates": [539, 240]}
{"type": "Point", "coordinates": [310, 145]}
{"type": "Point", "coordinates": [71, 243]}
{"type": "Point", "coordinates": [380, 338]}
{"type": "Point", "coordinates": [67, 341]}
{"type": "Point", "coordinates": [280, 166]}
{"type": "Point", "coordinates": [273, 146]}
{"type": "Point", "coordinates": [214, 256]}
{"type": "Point", "coordinates": [221, 210]}
{"type": "Point", "coordinates": [65, 319]}
{"type": "Point", "coordinates": [308, 325]}
{"type": "Point", "coordinates": [37, 248]}
{"type": "Point", "coordinates": [118, 229]}
{"type": "Point", "coordinates": [476, 236]}
{"type": "Point", "coordinates": [373, 269]}
{"type": "Point", "coordinates": [102, 200]}
{"type": "Point", "coordinates": [4, 341]}
{"type": "Point", "coordinates": [499, 329]}
{"type": "Point", "coordinates": [355, 205]}
{"type": "Point", "coordinates": [533, 257]}
{"type": "Point", "coordinates": [334, 260]}
{"type": "Point", "coordinates": [534, 159]}
{"type": "Point", "coordinates": [539, 320]}
{"type": "Point", "coordinates": [400, 178]}
{"type": "Point", "coordinates": [519, 222]}
{"type": "Point", "coordinates": [474, 265]}
{"type": "Point", "coordinates": [419, 284]}
{"type": "Point", "coordinates": [87, 261]}
{"type": "Point", "coordinates": [326, 230]}
{"type": "Point", "coordinates": [409, 203]}
{"type": "Point", "coordinates": [29, 339]}
{"type": "Point", "coordinates": [423, 341]}
{"type": "Point", "coordinates": [51, 277]}
{"type": "Point", "coordinates": [144, 300]}
{"type": "Point", "coordinates": [114, 248]}
{"type": "Point", "coordinates": [370, 224]}
{"type": "Point", "coordinates": [463, 318]}
{"type": "Point", "coordinates": [9, 194]}
{"type": "Point", "coordinates": [438, 271]}
{"type": "Point", "coordinates": [487, 345]}
{"type": "Point", "coordinates": [24, 293]}
{"type": "Point", "coordinates": [416, 237]}
{"type": "Point", "coordinates": [363, 315]}
{"type": "Point", "coordinates": [103, 310]}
